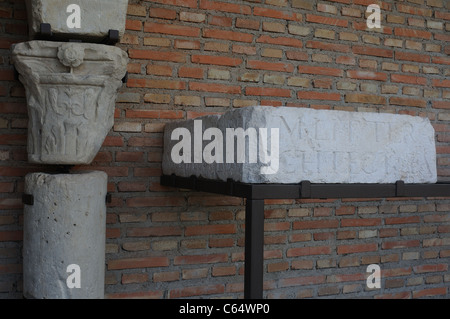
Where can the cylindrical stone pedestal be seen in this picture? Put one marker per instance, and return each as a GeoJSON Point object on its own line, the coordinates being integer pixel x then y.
{"type": "Point", "coordinates": [64, 236]}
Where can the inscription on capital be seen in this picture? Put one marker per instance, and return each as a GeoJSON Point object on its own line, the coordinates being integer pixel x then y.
{"type": "Point", "coordinates": [71, 90]}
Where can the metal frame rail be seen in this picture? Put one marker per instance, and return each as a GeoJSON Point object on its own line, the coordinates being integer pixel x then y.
{"type": "Point", "coordinates": [255, 194]}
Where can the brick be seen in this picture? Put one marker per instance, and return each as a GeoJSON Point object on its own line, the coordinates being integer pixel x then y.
{"type": "Point", "coordinates": [284, 41]}
{"type": "Point", "coordinates": [324, 96]}
{"type": "Point", "coordinates": [441, 104]}
{"type": "Point", "coordinates": [364, 98]}
{"type": "Point", "coordinates": [189, 72]}
{"type": "Point", "coordinates": [196, 291]}
{"type": "Point", "coordinates": [429, 292]}
{"type": "Point", "coordinates": [210, 229]}
{"type": "Point", "coordinates": [402, 220]}
{"type": "Point", "coordinates": [274, 79]}
{"type": "Point", "coordinates": [159, 42]}
{"type": "Point", "coordinates": [154, 201]}
{"type": "Point", "coordinates": [347, 36]}
{"type": "Point", "coordinates": [157, 55]}
{"type": "Point", "coordinates": [277, 14]}
{"type": "Point", "coordinates": [186, 44]}
{"type": "Point", "coordinates": [188, 100]}
{"type": "Point", "coordinates": [351, 12]}
{"type": "Point", "coordinates": [225, 7]}
{"type": "Point", "coordinates": [134, 25]}
{"type": "Point", "coordinates": [242, 49]}
{"type": "Point", "coordinates": [144, 262]}
{"type": "Point", "coordinates": [180, 3]}
{"type": "Point", "coordinates": [308, 251]}
{"type": "Point", "coordinates": [247, 24]}
{"type": "Point", "coordinates": [155, 114]}
{"type": "Point", "coordinates": [220, 21]}
{"type": "Point", "coordinates": [349, 60]}
{"type": "Point", "coordinates": [157, 84]}
{"type": "Point", "coordinates": [407, 102]}
{"type": "Point", "coordinates": [273, 27]}
{"type": "Point", "coordinates": [400, 244]}
{"type": "Point", "coordinates": [360, 222]}
{"type": "Point", "coordinates": [364, 50]}
{"type": "Point", "coordinates": [324, 33]}
{"type": "Point", "coordinates": [157, 98]}
{"type": "Point", "coordinates": [217, 88]}
{"type": "Point", "coordinates": [162, 70]}
{"type": "Point", "coordinates": [217, 74]}
{"type": "Point", "coordinates": [415, 57]}
{"type": "Point", "coordinates": [326, 20]}
{"type": "Point", "coordinates": [272, 53]}
{"type": "Point", "coordinates": [136, 10]}
{"type": "Point", "coordinates": [127, 127]}
{"type": "Point", "coordinates": [328, 46]}
{"type": "Point", "coordinates": [367, 75]}
{"type": "Point", "coordinates": [270, 66]}
{"type": "Point", "coordinates": [267, 92]}
{"type": "Point", "coordinates": [357, 248]}
{"type": "Point", "coordinates": [414, 10]}
{"type": "Point", "coordinates": [216, 46]}
{"type": "Point", "coordinates": [298, 56]}
{"type": "Point", "coordinates": [409, 79]}
{"type": "Point", "coordinates": [192, 17]}
{"type": "Point", "coordinates": [316, 224]}
{"type": "Point", "coordinates": [216, 60]}
{"type": "Point", "coordinates": [228, 35]}
{"type": "Point", "coordinates": [302, 4]}
{"type": "Point", "coordinates": [441, 83]}
{"type": "Point", "coordinates": [162, 13]}
{"type": "Point", "coordinates": [171, 29]}
{"type": "Point", "coordinates": [320, 70]}
{"type": "Point", "coordinates": [412, 33]}
{"type": "Point", "coordinates": [327, 8]}
{"type": "Point", "coordinates": [296, 81]}
{"type": "Point", "coordinates": [441, 60]}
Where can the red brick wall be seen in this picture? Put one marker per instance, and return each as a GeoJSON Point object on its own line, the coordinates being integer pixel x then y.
{"type": "Point", "coordinates": [194, 57]}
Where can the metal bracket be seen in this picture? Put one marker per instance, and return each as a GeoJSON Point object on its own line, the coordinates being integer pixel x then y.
{"type": "Point", "coordinates": [125, 78]}
{"type": "Point", "coordinates": [16, 74]}
{"type": "Point", "coordinates": [45, 31]}
{"type": "Point", "coordinates": [230, 186]}
{"type": "Point", "coordinates": [305, 189]}
{"type": "Point", "coordinates": [28, 199]}
{"type": "Point", "coordinates": [400, 189]}
{"type": "Point", "coordinates": [193, 182]}
{"type": "Point", "coordinates": [112, 38]}
{"type": "Point", "coordinates": [108, 198]}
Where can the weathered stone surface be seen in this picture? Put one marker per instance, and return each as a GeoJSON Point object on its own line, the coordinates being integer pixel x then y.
{"type": "Point", "coordinates": [66, 225]}
{"type": "Point", "coordinates": [96, 17]}
{"type": "Point", "coordinates": [71, 90]}
{"type": "Point", "coordinates": [321, 146]}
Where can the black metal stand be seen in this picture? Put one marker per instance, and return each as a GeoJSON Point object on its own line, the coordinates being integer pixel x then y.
{"type": "Point", "coordinates": [254, 249]}
{"type": "Point", "coordinates": [254, 208]}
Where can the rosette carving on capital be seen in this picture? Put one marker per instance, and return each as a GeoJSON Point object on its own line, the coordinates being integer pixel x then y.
{"type": "Point", "coordinates": [71, 55]}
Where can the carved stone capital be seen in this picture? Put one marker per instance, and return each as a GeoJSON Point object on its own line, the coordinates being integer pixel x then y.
{"type": "Point", "coordinates": [71, 90]}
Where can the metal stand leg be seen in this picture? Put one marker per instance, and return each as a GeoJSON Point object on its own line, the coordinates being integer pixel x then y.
{"type": "Point", "coordinates": [254, 249]}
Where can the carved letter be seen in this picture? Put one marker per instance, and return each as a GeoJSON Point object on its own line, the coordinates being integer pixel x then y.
{"type": "Point", "coordinates": [374, 20]}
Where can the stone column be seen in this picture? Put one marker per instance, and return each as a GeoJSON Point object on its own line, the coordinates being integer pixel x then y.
{"type": "Point", "coordinates": [65, 226]}
{"type": "Point", "coordinates": [71, 89]}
